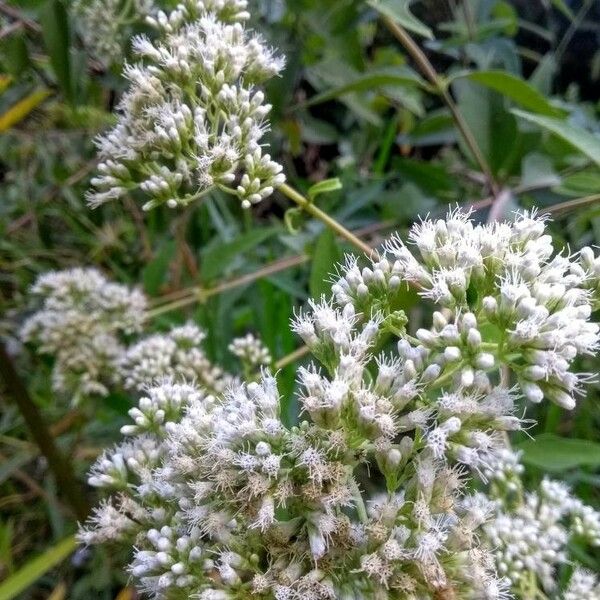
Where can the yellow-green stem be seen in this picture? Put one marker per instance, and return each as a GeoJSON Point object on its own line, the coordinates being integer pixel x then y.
{"type": "Point", "coordinates": [334, 225]}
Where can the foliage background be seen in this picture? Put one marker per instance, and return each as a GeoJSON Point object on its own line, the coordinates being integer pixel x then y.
{"type": "Point", "coordinates": [351, 104]}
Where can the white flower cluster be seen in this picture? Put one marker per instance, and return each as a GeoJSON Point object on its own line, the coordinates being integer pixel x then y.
{"type": "Point", "coordinates": [81, 322]}
{"type": "Point", "coordinates": [530, 532]}
{"type": "Point", "coordinates": [368, 496]}
{"type": "Point", "coordinates": [104, 25]}
{"type": "Point", "coordinates": [506, 297]}
{"type": "Point", "coordinates": [193, 116]}
{"type": "Point", "coordinates": [251, 351]}
{"type": "Point", "coordinates": [583, 585]}
{"type": "Point", "coordinates": [219, 500]}
{"type": "Point", "coordinates": [176, 355]}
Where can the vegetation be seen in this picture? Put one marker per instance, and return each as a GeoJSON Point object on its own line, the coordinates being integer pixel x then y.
{"type": "Point", "coordinates": [163, 224]}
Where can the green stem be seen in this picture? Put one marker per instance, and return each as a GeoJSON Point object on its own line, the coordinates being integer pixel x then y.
{"type": "Point", "coordinates": [334, 225]}
{"type": "Point", "coordinates": [60, 467]}
{"type": "Point", "coordinates": [440, 85]}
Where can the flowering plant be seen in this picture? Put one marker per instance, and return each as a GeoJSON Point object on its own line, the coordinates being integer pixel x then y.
{"type": "Point", "coordinates": [371, 494]}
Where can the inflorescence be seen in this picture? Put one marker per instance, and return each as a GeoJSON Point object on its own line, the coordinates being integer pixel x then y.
{"type": "Point", "coordinates": [83, 321]}
{"type": "Point", "coordinates": [90, 327]}
{"type": "Point", "coordinates": [370, 495]}
{"type": "Point", "coordinates": [193, 117]}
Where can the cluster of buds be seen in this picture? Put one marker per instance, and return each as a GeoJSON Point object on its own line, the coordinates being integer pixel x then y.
{"type": "Point", "coordinates": [530, 532]}
{"type": "Point", "coordinates": [105, 25]}
{"type": "Point", "coordinates": [252, 353]}
{"type": "Point", "coordinates": [193, 117]}
{"type": "Point", "coordinates": [505, 298]}
{"type": "Point", "coordinates": [368, 496]}
{"type": "Point", "coordinates": [89, 325]}
{"type": "Point", "coordinates": [82, 322]}
{"type": "Point", "coordinates": [177, 355]}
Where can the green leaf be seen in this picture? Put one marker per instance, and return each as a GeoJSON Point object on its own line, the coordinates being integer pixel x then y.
{"type": "Point", "coordinates": [517, 90]}
{"type": "Point", "coordinates": [583, 183]}
{"type": "Point", "coordinates": [563, 8]}
{"type": "Point", "coordinates": [392, 76]}
{"type": "Point", "coordinates": [9, 466]}
{"type": "Point", "coordinates": [582, 140]}
{"type": "Point", "coordinates": [398, 11]}
{"type": "Point", "coordinates": [219, 257]}
{"type": "Point", "coordinates": [324, 187]}
{"type": "Point", "coordinates": [554, 453]}
{"type": "Point", "coordinates": [155, 272]}
{"type": "Point", "coordinates": [325, 257]}
{"type": "Point", "coordinates": [55, 31]}
{"type": "Point", "coordinates": [35, 568]}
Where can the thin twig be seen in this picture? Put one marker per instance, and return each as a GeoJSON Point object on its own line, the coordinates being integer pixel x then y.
{"type": "Point", "coordinates": [573, 27]}
{"type": "Point", "coordinates": [199, 294]}
{"type": "Point", "coordinates": [432, 75]}
{"type": "Point", "coordinates": [563, 207]}
{"type": "Point", "coordinates": [60, 467]}
{"type": "Point", "coordinates": [13, 13]}
{"type": "Point", "coordinates": [292, 357]}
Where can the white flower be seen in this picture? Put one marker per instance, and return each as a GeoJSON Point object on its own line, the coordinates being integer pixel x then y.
{"type": "Point", "coordinates": [176, 355]}
{"type": "Point", "coordinates": [193, 118]}
{"type": "Point", "coordinates": [81, 322]}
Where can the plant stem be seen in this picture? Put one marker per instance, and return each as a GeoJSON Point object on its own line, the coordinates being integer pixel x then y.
{"type": "Point", "coordinates": [573, 27]}
{"type": "Point", "coordinates": [570, 204]}
{"type": "Point", "coordinates": [291, 357]}
{"type": "Point", "coordinates": [199, 294]}
{"type": "Point", "coordinates": [432, 75]}
{"type": "Point", "coordinates": [316, 212]}
{"type": "Point", "coordinates": [60, 467]}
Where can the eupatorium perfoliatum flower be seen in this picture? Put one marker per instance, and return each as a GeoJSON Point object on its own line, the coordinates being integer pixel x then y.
{"type": "Point", "coordinates": [105, 25]}
{"type": "Point", "coordinates": [530, 531]}
{"type": "Point", "coordinates": [370, 495]}
{"type": "Point", "coordinates": [193, 117]}
{"type": "Point", "coordinates": [81, 321]}
{"type": "Point", "coordinates": [505, 297]}
{"type": "Point", "coordinates": [177, 355]}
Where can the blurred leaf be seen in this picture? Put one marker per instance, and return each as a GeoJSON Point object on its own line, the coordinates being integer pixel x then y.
{"type": "Point", "coordinates": [398, 11]}
{"type": "Point", "coordinates": [5, 81]}
{"type": "Point", "coordinates": [324, 187]}
{"type": "Point", "coordinates": [398, 76]}
{"type": "Point", "coordinates": [586, 142]}
{"type": "Point", "coordinates": [35, 568]}
{"type": "Point", "coordinates": [326, 255]}
{"type": "Point", "coordinates": [155, 272]}
{"type": "Point", "coordinates": [55, 31]}
{"type": "Point", "coordinates": [494, 129]}
{"type": "Point", "coordinates": [554, 453]}
{"type": "Point", "coordinates": [517, 90]}
{"type": "Point", "coordinates": [127, 593]}
{"type": "Point", "coordinates": [580, 184]}
{"type": "Point", "coordinates": [436, 128]}
{"type": "Point", "coordinates": [543, 76]}
{"type": "Point", "coordinates": [16, 54]}
{"type": "Point", "coordinates": [19, 111]}
{"type": "Point", "coordinates": [505, 11]}
{"type": "Point", "coordinates": [217, 258]}
{"type": "Point", "coordinates": [537, 171]}
{"type": "Point", "coordinates": [59, 592]}
{"type": "Point", "coordinates": [563, 8]}
{"type": "Point", "coordinates": [9, 466]}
